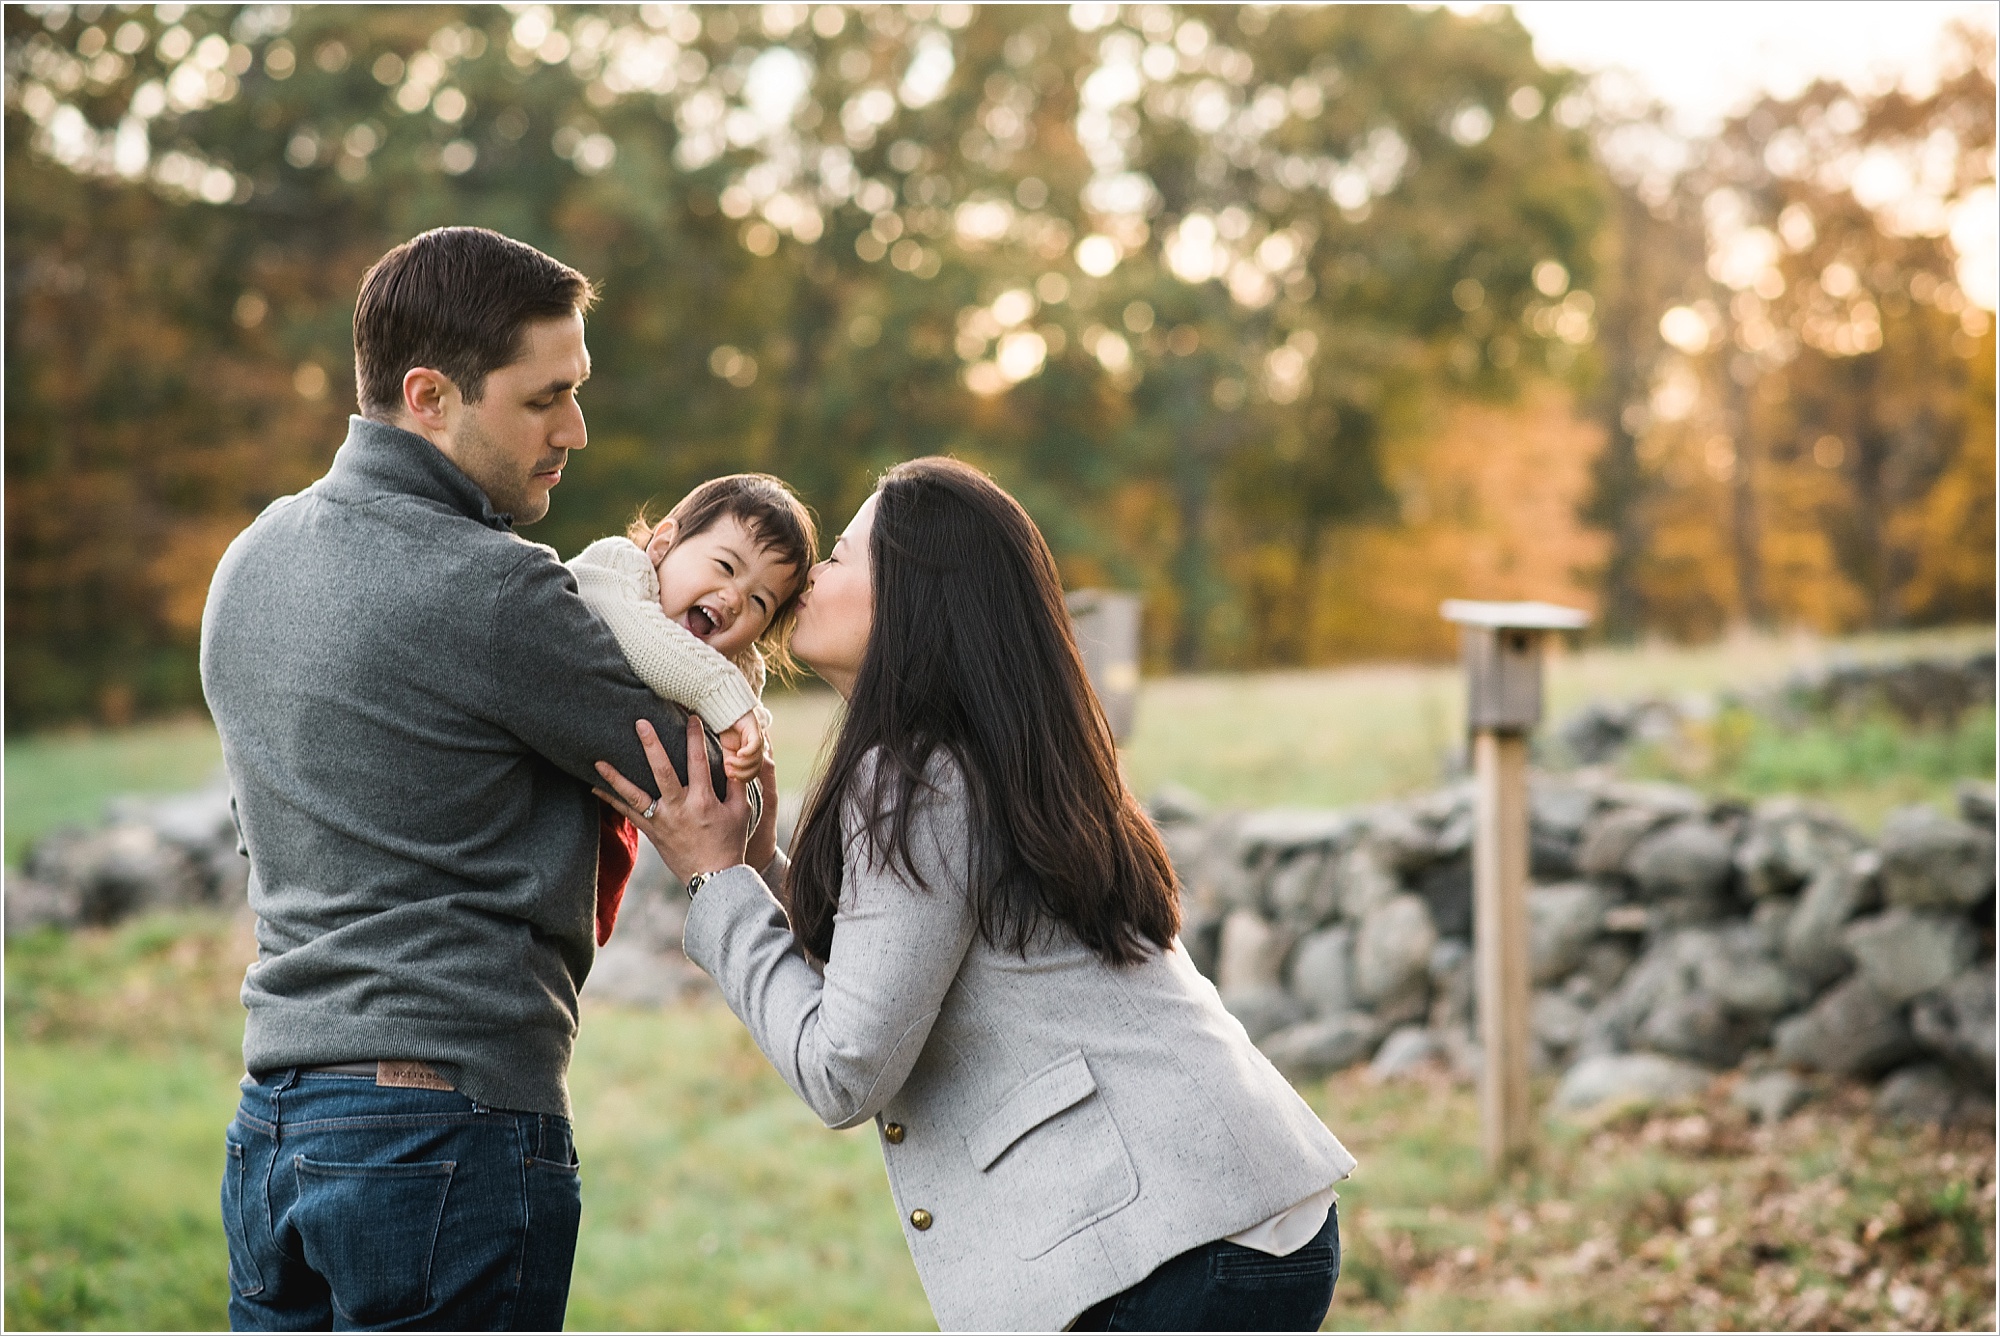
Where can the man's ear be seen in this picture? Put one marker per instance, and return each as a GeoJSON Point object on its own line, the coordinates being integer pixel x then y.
{"type": "Point", "coordinates": [662, 539]}
{"type": "Point", "coordinates": [428, 397]}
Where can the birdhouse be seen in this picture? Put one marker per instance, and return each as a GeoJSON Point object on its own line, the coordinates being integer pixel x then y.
{"type": "Point", "coordinates": [1503, 658]}
{"type": "Point", "coordinates": [1107, 635]}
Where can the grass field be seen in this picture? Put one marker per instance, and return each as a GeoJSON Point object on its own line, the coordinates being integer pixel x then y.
{"type": "Point", "coordinates": [1324, 738]}
{"type": "Point", "coordinates": [712, 1199]}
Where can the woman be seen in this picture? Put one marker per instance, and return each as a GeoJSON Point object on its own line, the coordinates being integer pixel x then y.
{"type": "Point", "coordinates": [975, 947]}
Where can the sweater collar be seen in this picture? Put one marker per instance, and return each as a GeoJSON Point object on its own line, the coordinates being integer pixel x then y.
{"type": "Point", "coordinates": [377, 458]}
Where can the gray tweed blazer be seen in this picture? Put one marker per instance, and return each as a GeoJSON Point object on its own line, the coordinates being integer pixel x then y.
{"type": "Point", "coordinates": [1054, 1128]}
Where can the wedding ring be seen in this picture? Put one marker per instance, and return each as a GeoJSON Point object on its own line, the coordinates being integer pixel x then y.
{"type": "Point", "coordinates": [647, 815]}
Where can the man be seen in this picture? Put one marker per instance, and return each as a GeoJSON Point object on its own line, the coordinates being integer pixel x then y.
{"type": "Point", "coordinates": [411, 700]}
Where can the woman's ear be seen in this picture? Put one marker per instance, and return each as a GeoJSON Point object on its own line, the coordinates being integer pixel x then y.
{"type": "Point", "coordinates": [662, 539]}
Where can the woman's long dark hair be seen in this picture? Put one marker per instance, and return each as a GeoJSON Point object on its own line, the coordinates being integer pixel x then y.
{"type": "Point", "coordinates": [971, 654]}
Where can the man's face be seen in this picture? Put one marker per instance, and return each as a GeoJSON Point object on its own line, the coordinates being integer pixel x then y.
{"type": "Point", "coordinates": [515, 440]}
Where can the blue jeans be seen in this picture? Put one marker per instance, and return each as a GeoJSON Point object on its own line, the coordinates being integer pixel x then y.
{"type": "Point", "coordinates": [351, 1206]}
{"type": "Point", "coordinates": [1224, 1286]}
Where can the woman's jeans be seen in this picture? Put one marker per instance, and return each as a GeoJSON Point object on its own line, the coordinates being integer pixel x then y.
{"type": "Point", "coordinates": [1224, 1286]}
{"type": "Point", "coordinates": [350, 1206]}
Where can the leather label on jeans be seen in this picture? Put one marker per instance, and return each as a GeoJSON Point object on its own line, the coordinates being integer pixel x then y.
{"type": "Point", "coordinates": [417, 1075]}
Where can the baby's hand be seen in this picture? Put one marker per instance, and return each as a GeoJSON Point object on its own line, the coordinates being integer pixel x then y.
{"type": "Point", "coordinates": [743, 748]}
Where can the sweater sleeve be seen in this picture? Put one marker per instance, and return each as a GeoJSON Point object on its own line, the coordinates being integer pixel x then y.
{"type": "Point", "coordinates": [618, 583]}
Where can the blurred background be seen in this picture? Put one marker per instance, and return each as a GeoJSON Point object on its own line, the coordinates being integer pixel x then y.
{"type": "Point", "coordinates": [1293, 321]}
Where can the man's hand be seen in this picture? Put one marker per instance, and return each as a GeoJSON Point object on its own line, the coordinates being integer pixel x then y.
{"type": "Point", "coordinates": [692, 830]}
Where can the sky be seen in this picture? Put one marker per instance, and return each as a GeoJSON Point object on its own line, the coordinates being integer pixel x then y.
{"type": "Point", "coordinates": [1708, 58]}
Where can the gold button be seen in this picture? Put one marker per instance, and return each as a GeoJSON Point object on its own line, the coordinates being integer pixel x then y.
{"type": "Point", "coordinates": [920, 1218]}
{"type": "Point", "coordinates": [893, 1133]}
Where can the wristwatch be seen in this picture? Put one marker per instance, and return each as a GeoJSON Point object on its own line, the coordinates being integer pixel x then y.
{"type": "Point", "coordinates": [696, 882]}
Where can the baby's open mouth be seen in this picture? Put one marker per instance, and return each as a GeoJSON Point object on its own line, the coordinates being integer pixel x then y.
{"type": "Point", "coordinates": [700, 622]}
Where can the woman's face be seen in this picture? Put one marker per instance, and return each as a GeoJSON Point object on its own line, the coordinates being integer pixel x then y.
{"type": "Point", "coordinates": [837, 611]}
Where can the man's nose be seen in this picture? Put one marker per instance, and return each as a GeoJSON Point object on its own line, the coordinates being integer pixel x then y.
{"type": "Point", "coordinates": [570, 433]}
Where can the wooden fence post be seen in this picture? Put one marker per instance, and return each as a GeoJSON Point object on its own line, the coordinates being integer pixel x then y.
{"type": "Point", "coordinates": [1503, 663]}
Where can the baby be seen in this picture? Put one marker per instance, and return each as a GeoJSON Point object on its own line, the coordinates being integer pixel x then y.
{"type": "Point", "coordinates": [693, 598]}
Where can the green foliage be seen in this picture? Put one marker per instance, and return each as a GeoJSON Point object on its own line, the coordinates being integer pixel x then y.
{"type": "Point", "coordinates": [1293, 198]}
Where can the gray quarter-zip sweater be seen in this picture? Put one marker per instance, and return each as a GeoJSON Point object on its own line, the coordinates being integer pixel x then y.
{"type": "Point", "coordinates": [410, 699]}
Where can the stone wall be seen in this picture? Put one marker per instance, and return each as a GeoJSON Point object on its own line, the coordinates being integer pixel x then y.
{"type": "Point", "coordinates": [1670, 936]}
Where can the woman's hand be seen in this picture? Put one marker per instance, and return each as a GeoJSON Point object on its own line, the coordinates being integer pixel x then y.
{"type": "Point", "coordinates": [764, 839]}
{"type": "Point", "coordinates": [692, 830]}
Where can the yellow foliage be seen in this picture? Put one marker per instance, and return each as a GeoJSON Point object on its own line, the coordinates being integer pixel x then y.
{"type": "Point", "coordinates": [1490, 509]}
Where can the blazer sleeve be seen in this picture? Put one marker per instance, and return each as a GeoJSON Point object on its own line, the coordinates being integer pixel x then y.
{"type": "Point", "coordinates": [615, 580]}
{"type": "Point", "coordinates": [846, 1040]}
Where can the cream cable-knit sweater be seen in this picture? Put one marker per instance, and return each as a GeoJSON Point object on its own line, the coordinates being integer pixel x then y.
{"type": "Point", "coordinates": [623, 589]}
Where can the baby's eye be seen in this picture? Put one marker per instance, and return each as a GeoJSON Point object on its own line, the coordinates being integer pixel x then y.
{"type": "Point", "coordinates": [727, 569]}
{"type": "Point", "coordinates": [762, 606]}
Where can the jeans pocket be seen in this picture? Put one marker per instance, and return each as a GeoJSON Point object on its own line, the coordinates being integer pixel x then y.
{"type": "Point", "coordinates": [371, 1230]}
{"type": "Point", "coordinates": [1237, 1265]}
{"type": "Point", "coordinates": [245, 1277]}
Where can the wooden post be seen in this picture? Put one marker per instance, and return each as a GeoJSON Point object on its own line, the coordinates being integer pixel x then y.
{"type": "Point", "coordinates": [1500, 935]}
{"type": "Point", "coordinates": [1106, 624]}
{"type": "Point", "coordinates": [1503, 669]}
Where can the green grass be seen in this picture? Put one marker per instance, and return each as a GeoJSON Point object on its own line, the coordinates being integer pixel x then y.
{"type": "Point", "coordinates": [712, 1199]}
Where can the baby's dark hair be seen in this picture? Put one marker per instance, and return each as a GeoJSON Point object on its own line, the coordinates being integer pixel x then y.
{"type": "Point", "coordinates": [775, 517]}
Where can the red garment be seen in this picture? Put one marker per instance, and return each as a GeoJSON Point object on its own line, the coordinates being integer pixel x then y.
{"type": "Point", "coordinates": [617, 853]}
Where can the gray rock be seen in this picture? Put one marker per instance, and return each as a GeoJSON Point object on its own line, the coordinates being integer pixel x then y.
{"type": "Point", "coordinates": [1315, 1048]}
{"type": "Point", "coordinates": [1392, 956]}
{"type": "Point", "coordinates": [1699, 1027]}
{"type": "Point", "coordinates": [32, 905]}
{"type": "Point", "coordinates": [1562, 923]}
{"type": "Point", "coordinates": [1975, 804]}
{"type": "Point", "coordinates": [1904, 952]}
{"type": "Point", "coordinates": [1788, 843]}
{"type": "Point", "coordinates": [1283, 830]}
{"type": "Point", "coordinates": [1302, 890]}
{"type": "Point", "coordinates": [1322, 972]}
{"type": "Point", "coordinates": [1957, 1022]}
{"type": "Point", "coordinates": [1923, 1094]}
{"type": "Point", "coordinates": [1171, 804]}
{"type": "Point", "coordinates": [118, 871]}
{"type": "Point", "coordinates": [1771, 1097]}
{"type": "Point", "coordinates": [1604, 965]}
{"type": "Point", "coordinates": [1263, 1011]}
{"type": "Point", "coordinates": [1452, 1001]}
{"type": "Point", "coordinates": [1689, 858]}
{"type": "Point", "coordinates": [1405, 1050]}
{"type": "Point", "coordinates": [1556, 1021]}
{"type": "Point", "coordinates": [1446, 888]}
{"type": "Point", "coordinates": [1813, 941]}
{"type": "Point", "coordinates": [1562, 810]}
{"type": "Point", "coordinates": [1851, 1031]}
{"type": "Point", "coordinates": [1930, 861]}
{"type": "Point", "coordinates": [1252, 954]}
{"type": "Point", "coordinates": [1405, 843]}
{"type": "Point", "coordinates": [1364, 879]}
{"type": "Point", "coordinates": [1637, 1078]}
{"type": "Point", "coordinates": [1610, 837]}
{"type": "Point", "coordinates": [1742, 971]}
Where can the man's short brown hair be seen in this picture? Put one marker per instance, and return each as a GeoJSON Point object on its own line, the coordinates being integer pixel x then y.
{"type": "Point", "coordinates": [456, 300]}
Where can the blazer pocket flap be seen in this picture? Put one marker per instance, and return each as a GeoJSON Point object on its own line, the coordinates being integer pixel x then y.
{"type": "Point", "coordinates": [1041, 1097]}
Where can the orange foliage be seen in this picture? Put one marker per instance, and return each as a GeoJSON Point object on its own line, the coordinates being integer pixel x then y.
{"type": "Point", "coordinates": [1490, 509]}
